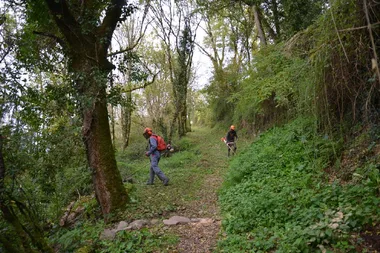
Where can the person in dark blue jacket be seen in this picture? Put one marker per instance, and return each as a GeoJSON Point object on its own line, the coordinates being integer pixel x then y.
{"type": "Point", "coordinates": [154, 156]}
{"type": "Point", "coordinates": [231, 139]}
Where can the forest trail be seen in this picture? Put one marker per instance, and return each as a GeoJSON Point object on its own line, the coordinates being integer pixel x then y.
{"type": "Point", "coordinates": [196, 172]}
{"type": "Point", "coordinates": [202, 237]}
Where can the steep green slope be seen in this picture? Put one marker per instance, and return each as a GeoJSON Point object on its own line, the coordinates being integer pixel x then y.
{"type": "Point", "coordinates": [276, 196]}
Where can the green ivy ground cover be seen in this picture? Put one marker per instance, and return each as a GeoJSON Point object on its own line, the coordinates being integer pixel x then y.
{"type": "Point", "coordinates": [276, 197]}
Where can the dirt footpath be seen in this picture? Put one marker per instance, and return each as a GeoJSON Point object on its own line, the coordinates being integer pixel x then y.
{"type": "Point", "coordinates": [203, 236]}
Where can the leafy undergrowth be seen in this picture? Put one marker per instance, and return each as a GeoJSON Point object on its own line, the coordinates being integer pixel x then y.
{"type": "Point", "coordinates": [277, 198]}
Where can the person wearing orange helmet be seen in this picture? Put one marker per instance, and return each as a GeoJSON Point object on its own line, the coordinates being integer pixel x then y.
{"type": "Point", "coordinates": [231, 139]}
{"type": "Point", "coordinates": [154, 156]}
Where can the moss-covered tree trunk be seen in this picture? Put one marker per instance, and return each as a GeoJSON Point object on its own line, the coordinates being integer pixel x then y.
{"type": "Point", "coordinates": [259, 27]}
{"type": "Point", "coordinates": [127, 108]}
{"type": "Point", "coordinates": [109, 189]}
{"type": "Point", "coordinates": [126, 118]}
{"type": "Point", "coordinates": [87, 43]}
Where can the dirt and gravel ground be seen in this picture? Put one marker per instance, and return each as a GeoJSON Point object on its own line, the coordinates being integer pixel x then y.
{"type": "Point", "coordinates": [202, 237]}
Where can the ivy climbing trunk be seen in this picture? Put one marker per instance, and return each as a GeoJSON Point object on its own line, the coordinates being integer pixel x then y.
{"type": "Point", "coordinates": [86, 45]}
{"type": "Point", "coordinates": [182, 71]}
{"type": "Point", "coordinates": [259, 27]}
{"type": "Point", "coordinates": [126, 117]}
{"type": "Point", "coordinates": [127, 108]}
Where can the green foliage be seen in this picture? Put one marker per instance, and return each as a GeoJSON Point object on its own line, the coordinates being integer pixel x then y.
{"type": "Point", "coordinates": [72, 239]}
{"type": "Point", "coordinates": [276, 195]}
{"type": "Point", "coordinates": [182, 160]}
{"type": "Point", "coordinates": [273, 86]}
{"type": "Point", "coordinates": [137, 241]}
{"type": "Point", "coordinates": [299, 14]}
{"type": "Point", "coordinates": [221, 92]}
{"type": "Point", "coordinates": [340, 59]}
{"type": "Point", "coordinates": [136, 150]}
{"type": "Point", "coordinates": [183, 144]}
{"type": "Point", "coordinates": [201, 113]}
{"type": "Point", "coordinates": [36, 50]}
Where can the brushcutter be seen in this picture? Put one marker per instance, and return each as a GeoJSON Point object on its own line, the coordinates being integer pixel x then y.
{"type": "Point", "coordinates": [230, 145]}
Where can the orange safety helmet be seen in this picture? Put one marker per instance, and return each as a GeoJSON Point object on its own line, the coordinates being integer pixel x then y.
{"type": "Point", "coordinates": [232, 127]}
{"type": "Point", "coordinates": [147, 131]}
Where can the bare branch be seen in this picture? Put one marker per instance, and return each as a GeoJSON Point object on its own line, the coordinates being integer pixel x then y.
{"type": "Point", "coordinates": [5, 54]}
{"type": "Point", "coordinates": [127, 49]}
{"type": "Point", "coordinates": [376, 59]}
{"type": "Point", "coordinates": [337, 32]}
{"type": "Point", "coordinates": [49, 35]}
{"type": "Point", "coordinates": [146, 84]}
{"type": "Point", "coordinates": [134, 45]}
{"type": "Point", "coordinates": [110, 21]}
{"type": "Point", "coordinates": [359, 27]}
{"type": "Point", "coordinates": [65, 20]}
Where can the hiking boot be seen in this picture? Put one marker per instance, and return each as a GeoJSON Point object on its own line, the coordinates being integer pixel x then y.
{"type": "Point", "coordinates": [166, 181]}
{"type": "Point", "coordinates": [149, 183]}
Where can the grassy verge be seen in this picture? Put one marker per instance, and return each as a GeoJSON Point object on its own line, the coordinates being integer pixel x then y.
{"type": "Point", "coordinates": [186, 169]}
{"type": "Point", "coordinates": [277, 198]}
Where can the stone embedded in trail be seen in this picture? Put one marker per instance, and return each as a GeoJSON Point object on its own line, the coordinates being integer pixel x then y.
{"type": "Point", "coordinates": [122, 225]}
{"type": "Point", "coordinates": [202, 220]}
{"type": "Point", "coordinates": [137, 224]}
{"type": "Point", "coordinates": [108, 234]}
{"type": "Point", "coordinates": [176, 220]}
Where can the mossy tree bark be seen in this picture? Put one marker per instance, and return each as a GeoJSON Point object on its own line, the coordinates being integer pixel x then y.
{"type": "Point", "coordinates": [259, 27]}
{"type": "Point", "coordinates": [182, 72]}
{"type": "Point", "coordinates": [86, 45]}
{"type": "Point", "coordinates": [126, 116]}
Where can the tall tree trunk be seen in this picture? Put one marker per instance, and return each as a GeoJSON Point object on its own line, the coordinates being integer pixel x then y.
{"type": "Point", "coordinates": [172, 125]}
{"type": "Point", "coordinates": [184, 120]}
{"type": "Point", "coordinates": [108, 185]}
{"type": "Point", "coordinates": [276, 18]}
{"type": "Point", "coordinates": [127, 119]}
{"type": "Point", "coordinates": [112, 116]}
{"type": "Point", "coordinates": [188, 123]}
{"type": "Point", "coordinates": [182, 123]}
{"type": "Point", "coordinates": [86, 45]}
{"type": "Point", "coordinates": [259, 27]}
{"type": "Point", "coordinates": [180, 97]}
{"type": "Point", "coordinates": [127, 106]}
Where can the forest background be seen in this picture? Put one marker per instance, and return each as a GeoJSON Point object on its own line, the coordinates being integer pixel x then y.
{"type": "Point", "coordinates": [81, 79]}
